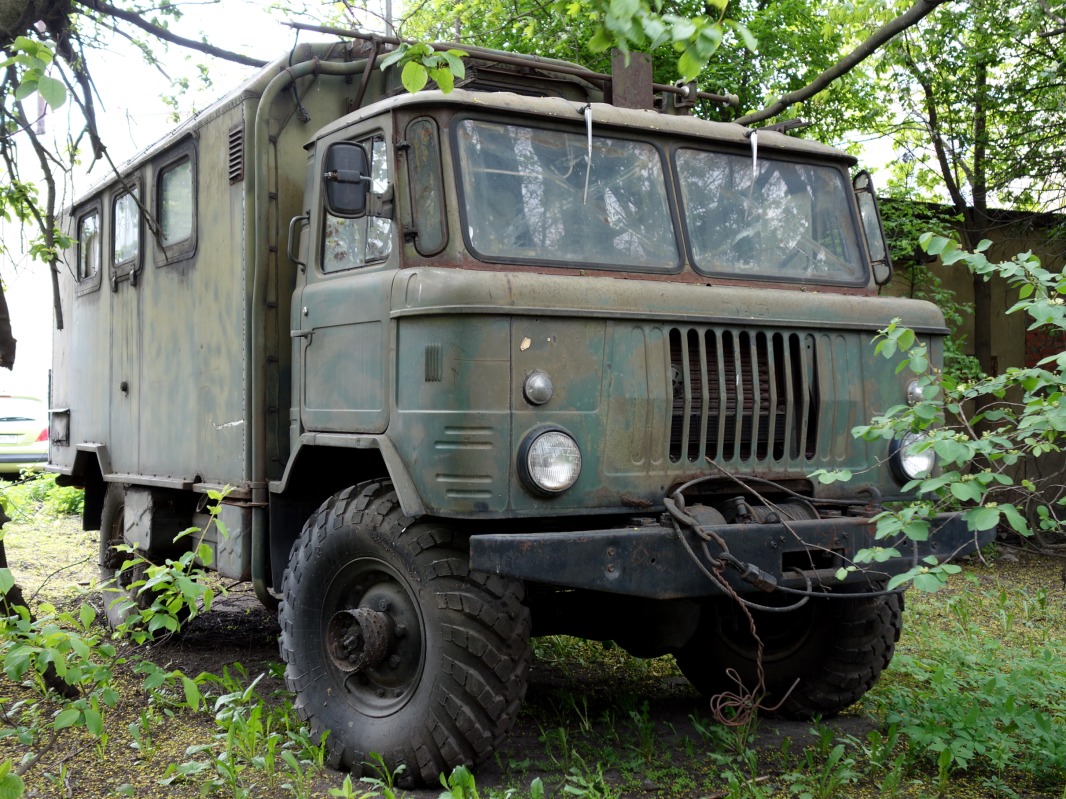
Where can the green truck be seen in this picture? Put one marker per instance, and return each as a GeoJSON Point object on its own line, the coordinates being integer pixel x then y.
{"type": "Point", "coordinates": [546, 354]}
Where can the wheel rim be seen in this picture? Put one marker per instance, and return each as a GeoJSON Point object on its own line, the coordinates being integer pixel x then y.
{"type": "Point", "coordinates": [782, 634]}
{"type": "Point", "coordinates": [373, 635]}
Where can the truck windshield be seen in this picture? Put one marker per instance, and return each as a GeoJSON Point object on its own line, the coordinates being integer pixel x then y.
{"type": "Point", "coordinates": [783, 220]}
{"type": "Point", "coordinates": [528, 196]}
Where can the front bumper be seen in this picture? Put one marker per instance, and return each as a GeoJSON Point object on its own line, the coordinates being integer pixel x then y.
{"type": "Point", "coordinates": [651, 561]}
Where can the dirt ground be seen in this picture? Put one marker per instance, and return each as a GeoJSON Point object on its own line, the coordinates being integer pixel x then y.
{"type": "Point", "coordinates": [58, 562]}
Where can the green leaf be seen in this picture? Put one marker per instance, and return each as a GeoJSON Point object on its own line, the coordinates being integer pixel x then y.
{"type": "Point", "coordinates": [7, 581]}
{"type": "Point", "coordinates": [898, 580]}
{"type": "Point", "coordinates": [87, 615]}
{"type": "Point", "coordinates": [414, 77]}
{"type": "Point", "coordinates": [11, 787]}
{"type": "Point", "coordinates": [969, 491]}
{"type": "Point", "coordinates": [193, 697]}
{"type": "Point", "coordinates": [917, 530]}
{"type": "Point", "coordinates": [746, 36]}
{"type": "Point", "coordinates": [25, 89]}
{"type": "Point", "coordinates": [928, 582]}
{"type": "Point", "coordinates": [602, 40]}
{"type": "Point", "coordinates": [394, 56]}
{"type": "Point", "coordinates": [444, 78]}
{"type": "Point", "coordinates": [455, 63]}
{"type": "Point", "coordinates": [53, 91]}
{"type": "Point", "coordinates": [94, 722]}
{"type": "Point", "coordinates": [1015, 519]}
{"type": "Point", "coordinates": [67, 718]}
{"type": "Point", "coordinates": [689, 65]}
{"type": "Point", "coordinates": [934, 245]}
{"type": "Point", "coordinates": [984, 518]}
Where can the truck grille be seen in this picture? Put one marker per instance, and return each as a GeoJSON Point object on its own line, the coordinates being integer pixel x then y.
{"type": "Point", "coordinates": [742, 395]}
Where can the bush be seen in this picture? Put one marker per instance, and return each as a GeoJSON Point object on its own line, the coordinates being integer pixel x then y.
{"type": "Point", "coordinates": [983, 431]}
{"type": "Point", "coordinates": [38, 493]}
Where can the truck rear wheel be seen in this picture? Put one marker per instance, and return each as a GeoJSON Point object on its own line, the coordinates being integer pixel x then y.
{"type": "Point", "coordinates": [121, 602]}
{"type": "Point", "coordinates": [393, 645]}
{"type": "Point", "coordinates": [836, 648]}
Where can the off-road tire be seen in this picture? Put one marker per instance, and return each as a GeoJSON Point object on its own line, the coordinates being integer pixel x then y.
{"type": "Point", "coordinates": [115, 583]}
{"type": "Point", "coordinates": [122, 603]}
{"type": "Point", "coordinates": [450, 688]}
{"type": "Point", "coordinates": [837, 648]}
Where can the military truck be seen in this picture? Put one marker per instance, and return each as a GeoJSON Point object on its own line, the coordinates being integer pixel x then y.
{"type": "Point", "coordinates": [547, 354]}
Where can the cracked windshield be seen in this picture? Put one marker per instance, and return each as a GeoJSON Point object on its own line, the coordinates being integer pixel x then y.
{"type": "Point", "coordinates": [787, 221]}
{"type": "Point", "coordinates": [529, 195]}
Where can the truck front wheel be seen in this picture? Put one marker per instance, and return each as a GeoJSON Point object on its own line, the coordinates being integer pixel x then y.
{"type": "Point", "coordinates": [835, 648]}
{"type": "Point", "coordinates": [394, 645]}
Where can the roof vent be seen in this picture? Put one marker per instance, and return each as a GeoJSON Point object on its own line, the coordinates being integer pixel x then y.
{"type": "Point", "coordinates": [236, 154]}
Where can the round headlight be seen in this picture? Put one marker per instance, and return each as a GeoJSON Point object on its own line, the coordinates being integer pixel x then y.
{"type": "Point", "coordinates": [538, 388]}
{"type": "Point", "coordinates": [914, 393]}
{"type": "Point", "coordinates": [910, 460]}
{"type": "Point", "coordinates": [549, 461]}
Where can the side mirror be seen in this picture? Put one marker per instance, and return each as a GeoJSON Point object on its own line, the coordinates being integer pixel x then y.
{"type": "Point", "coordinates": [880, 260]}
{"type": "Point", "coordinates": [346, 179]}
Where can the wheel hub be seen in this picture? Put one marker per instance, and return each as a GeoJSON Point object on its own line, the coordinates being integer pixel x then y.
{"type": "Point", "coordinates": [358, 639]}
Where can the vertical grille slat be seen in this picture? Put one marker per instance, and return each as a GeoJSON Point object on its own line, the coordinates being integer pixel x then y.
{"type": "Point", "coordinates": [743, 396]}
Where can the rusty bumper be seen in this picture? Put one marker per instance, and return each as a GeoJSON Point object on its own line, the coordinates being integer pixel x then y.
{"type": "Point", "coordinates": [653, 561]}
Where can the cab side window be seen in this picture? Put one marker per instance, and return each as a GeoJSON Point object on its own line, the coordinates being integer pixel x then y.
{"type": "Point", "coordinates": [351, 243]}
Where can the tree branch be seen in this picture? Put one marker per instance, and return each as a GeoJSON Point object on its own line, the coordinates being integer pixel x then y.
{"type": "Point", "coordinates": [165, 35]}
{"type": "Point", "coordinates": [916, 13]}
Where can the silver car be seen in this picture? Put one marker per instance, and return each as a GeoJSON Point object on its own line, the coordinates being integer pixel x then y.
{"type": "Point", "coordinates": [23, 434]}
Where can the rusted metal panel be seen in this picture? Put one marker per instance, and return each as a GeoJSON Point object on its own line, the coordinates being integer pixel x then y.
{"type": "Point", "coordinates": [631, 80]}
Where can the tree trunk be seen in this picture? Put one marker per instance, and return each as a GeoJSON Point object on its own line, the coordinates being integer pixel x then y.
{"type": "Point", "coordinates": [7, 340]}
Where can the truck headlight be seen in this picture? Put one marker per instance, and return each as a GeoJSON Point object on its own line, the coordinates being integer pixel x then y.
{"type": "Point", "coordinates": [549, 461]}
{"type": "Point", "coordinates": [915, 393]}
{"type": "Point", "coordinates": [910, 461]}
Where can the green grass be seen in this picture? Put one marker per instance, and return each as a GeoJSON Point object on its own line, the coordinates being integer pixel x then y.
{"type": "Point", "coordinates": [973, 706]}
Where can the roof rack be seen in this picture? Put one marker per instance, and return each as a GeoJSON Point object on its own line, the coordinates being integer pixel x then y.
{"type": "Point", "coordinates": [686, 92]}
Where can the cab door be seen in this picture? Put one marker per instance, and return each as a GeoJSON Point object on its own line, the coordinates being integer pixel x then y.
{"type": "Point", "coordinates": [341, 312]}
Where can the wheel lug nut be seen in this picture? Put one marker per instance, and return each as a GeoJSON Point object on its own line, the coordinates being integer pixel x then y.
{"type": "Point", "coordinates": [401, 630]}
{"type": "Point", "coordinates": [394, 661]}
{"type": "Point", "coordinates": [383, 605]}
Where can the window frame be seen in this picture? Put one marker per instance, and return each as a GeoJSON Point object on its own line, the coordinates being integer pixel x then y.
{"type": "Point", "coordinates": [89, 283]}
{"type": "Point", "coordinates": [185, 249]}
{"type": "Point", "coordinates": [425, 179]}
{"type": "Point", "coordinates": [130, 268]}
